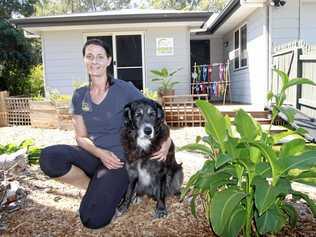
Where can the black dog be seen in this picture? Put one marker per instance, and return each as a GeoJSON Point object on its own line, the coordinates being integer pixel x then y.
{"type": "Point", "coordinates": [143, 134]}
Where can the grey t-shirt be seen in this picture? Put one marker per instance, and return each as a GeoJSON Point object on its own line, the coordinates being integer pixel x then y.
{"type": "Point", "coordinates": [105, 120]}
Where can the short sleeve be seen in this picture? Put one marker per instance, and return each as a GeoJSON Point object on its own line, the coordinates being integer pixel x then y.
{"type": "Point", "coordinates": [76, 103]}
{"type": "Point", "coordinates": [134, 93]}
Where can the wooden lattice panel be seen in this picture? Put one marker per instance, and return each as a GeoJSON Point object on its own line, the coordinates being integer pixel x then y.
{"type": "Point", "coordinates": [181, 111]}
{"type": "Point", "coordinates": [18, 109]}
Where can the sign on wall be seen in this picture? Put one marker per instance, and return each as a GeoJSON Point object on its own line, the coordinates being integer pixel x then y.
{"type": "Point", "coordinates": [164, 46]}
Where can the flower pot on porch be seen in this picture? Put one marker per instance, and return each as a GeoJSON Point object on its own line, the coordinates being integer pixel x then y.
{"type": "Point", "coordinates": [168, 92]}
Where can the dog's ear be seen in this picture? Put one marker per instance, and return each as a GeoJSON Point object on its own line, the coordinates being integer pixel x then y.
{"type": "Point", "coordinates": [160, 113]}
{"type": "Point", "coordinates": [128, 123]}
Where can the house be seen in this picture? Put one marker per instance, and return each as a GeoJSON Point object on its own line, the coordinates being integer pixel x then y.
{"type": "Point", "coordinates": [244, 34]}
{"type": "Point", "coordinates": [247, 31]}
{"type": "Point", "coordinates": [141, 40]}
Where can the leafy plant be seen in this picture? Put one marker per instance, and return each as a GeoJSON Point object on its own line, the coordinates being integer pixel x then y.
{"type": "Point", "coordinates": [33, 152]}
{"type": "Point", "coordinates": [244, 183]}
{"type": "Point", "coordinates": [55, 96]}
{"type": "Point", "coordinates": [165, 77]}
{"type": "Point", "coordinates": [153, 95]}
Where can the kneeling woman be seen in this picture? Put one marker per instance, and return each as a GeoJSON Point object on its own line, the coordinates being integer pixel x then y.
{"type": "Point", "coordinates": [96, 164]}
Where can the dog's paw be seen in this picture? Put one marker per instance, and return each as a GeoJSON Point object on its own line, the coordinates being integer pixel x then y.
{"type": "Point", "coordinates": [137, 200]}
{"type": "Point", "coordinates": [160, 213]}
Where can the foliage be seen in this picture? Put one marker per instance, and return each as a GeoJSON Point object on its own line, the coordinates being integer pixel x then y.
{"type": "Point", "coordinates": [36, 81]}
{"type": "Point", "coordinates": [55, 96]}
{"type": "Point", "coordinates": [213, 5]}
{"type": "Point", "coordinates": [17, 54]}
{"type": "Point", "coordinates": [153, 95]}
{"type": "Point", "coordinates": [165, 77]}
{"type": "Point", "coordinates": [32, 152]}
{"type": "Point", "coordinates": [57, 7]}
{"type": "Point", "coordinates": [244, 183]}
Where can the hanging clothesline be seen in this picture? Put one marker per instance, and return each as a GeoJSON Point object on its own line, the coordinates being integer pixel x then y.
{"type": "Point", "coordinates": [206, 81]}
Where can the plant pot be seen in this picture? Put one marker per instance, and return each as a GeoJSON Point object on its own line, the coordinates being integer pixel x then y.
{"type": "Point", "coordinates": [162, 93]}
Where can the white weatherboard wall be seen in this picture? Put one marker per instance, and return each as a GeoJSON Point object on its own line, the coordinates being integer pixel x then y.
{"type": "Point", "coordinates": [294, 22]}
{"type": "Point", "coordinates": [63, 60]}
{"type": "Point", "coordinates": [249, 85]}
{"type": "Point", "coordinates": [64, 63]}
{"type": "Point", "coordinates": [180, 59]}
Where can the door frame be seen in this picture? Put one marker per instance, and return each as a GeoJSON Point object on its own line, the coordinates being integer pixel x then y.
{"type": "Point", "coordinates": [114, 56]}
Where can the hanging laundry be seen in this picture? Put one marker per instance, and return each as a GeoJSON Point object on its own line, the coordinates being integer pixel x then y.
{"type": "Point", "coordinates": [221, 71]}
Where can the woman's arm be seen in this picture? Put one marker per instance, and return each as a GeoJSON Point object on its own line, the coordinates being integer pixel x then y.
{"type": "Point", "coordinates": [108, 158]}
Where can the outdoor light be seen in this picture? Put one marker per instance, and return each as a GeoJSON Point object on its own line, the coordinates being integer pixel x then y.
{"type": "Point", "coordinates": [278, 3]}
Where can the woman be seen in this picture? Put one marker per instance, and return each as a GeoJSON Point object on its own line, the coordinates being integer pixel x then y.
{"type": "Point", "coordinates": [96, 164]}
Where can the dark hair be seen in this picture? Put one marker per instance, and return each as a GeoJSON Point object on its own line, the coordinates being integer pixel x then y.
{"type": "Point", "coordinates": [107, 49]}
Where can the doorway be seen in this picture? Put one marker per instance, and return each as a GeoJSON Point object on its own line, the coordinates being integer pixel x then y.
{"type": "Point", "coordinates": [127, 57]}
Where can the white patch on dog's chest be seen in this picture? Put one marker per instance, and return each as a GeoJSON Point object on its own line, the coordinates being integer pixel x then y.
{"type": "Point", "coordinates": [144, 143]}
{"type": "Point", "coordinates": [144, 176]}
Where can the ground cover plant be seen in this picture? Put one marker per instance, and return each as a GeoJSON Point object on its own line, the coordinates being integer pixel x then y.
{"type": "Point", "coordinates": [32, 151]}
{"type": "Point", "coordinates": [244, 183]}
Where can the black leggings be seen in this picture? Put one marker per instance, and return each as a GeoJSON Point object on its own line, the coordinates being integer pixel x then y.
{"type": "Point", "coordinates": [106, 187]}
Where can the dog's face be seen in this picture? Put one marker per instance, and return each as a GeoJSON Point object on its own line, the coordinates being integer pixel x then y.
{"type": "Point", "coordinates": [145, 117]}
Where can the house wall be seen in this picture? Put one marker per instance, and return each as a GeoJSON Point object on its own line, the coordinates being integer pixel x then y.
{"type": "Point", "coordinates": [293, 22]}
{"type": "Point", "coordinates": [63, 62]}
{"type": "Point", "coordinates": [249, 85]}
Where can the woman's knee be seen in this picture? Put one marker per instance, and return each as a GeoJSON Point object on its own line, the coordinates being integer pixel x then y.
{"type": "Point", "coordinates": [95, 218]}
{"type": "Point", "coordinates": [52, 160]}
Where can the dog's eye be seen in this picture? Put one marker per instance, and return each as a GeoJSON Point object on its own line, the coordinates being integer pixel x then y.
{"type": "Point", "coordinates": [138, 114]}
{"type": "Point", "coordinates": [152, 114]}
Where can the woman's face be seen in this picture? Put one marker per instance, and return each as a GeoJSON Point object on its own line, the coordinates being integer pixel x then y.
{"type": "Point", "coordinates": [96, 60]}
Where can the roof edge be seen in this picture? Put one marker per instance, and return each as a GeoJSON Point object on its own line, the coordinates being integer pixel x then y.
{"type": "Point", "coordinates": [111, 19]}
{"type": "Point", "coordinates": [230, 8]}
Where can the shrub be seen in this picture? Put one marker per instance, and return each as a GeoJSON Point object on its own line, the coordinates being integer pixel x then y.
{"type": "Point", "coordinates": [244, 183]}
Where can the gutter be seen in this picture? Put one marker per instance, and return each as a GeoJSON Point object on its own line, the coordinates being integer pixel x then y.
{"type": "Point", "coordinates": [109, 19]}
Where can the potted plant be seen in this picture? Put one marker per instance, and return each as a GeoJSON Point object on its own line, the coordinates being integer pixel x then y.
{"type": "Point", "coordinates": [165, 77]}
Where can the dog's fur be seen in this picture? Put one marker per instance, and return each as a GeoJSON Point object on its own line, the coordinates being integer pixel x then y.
{"type": "Point", "coordinates": [144, 132]}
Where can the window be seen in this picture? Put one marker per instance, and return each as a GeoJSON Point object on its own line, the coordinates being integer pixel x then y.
{"type": "Point", "coordinates": [241, 57]}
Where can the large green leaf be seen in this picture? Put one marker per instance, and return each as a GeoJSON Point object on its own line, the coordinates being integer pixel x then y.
{"type": "Point", "coordinates": [266, 194]}
{"type": "Point", "coordinates": [292, 148]}
{"type": "Point", "coordinates": [305, 160]}
{"type": "Point", "coordinates": [223, 205]}
{"type": "Point", "coordinates": [215, 122]}
{"type": "Point", "coordinates": [235, 222]}
{"type": "Point", "coordinates": [211, 182]}
{"type": "Point", "coordinates": [246, 125]}
{"type": "Point", "coordinates": [283, 75]}
{"type": "Point", "coordinates": [270, 155]}
{"type": "Point", "coordinates": [263, 169]}
{"type": "Point", "coordinates": [205, 150]}
{"type": "Point", "coordinates": [298, 81]}
{"type": "Point", "coordinates": [271, 221]}
{"type": "Point", "coordinates": [303, 176]}
{"type": "Point", "coordinates": [279, 136]}
{"type": "Point", "coordinates": [222, 159]}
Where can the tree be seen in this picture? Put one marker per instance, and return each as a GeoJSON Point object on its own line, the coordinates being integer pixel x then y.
{"type": "Point", "coordinates": [17, 55]}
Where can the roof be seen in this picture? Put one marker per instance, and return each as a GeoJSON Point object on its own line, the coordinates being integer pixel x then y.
{"type": "Point", "coordinates": [113, 17]}
{"type": "Point", "coordinates": [229, 9]}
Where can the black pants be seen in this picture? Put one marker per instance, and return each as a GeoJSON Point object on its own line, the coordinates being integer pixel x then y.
{"type": "Point", "coordinates": [106, 187]}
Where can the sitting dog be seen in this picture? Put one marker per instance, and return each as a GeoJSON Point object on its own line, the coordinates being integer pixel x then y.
{"type": "Point", "coordinates": [143, 133]}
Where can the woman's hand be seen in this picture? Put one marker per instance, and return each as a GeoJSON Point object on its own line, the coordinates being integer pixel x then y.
{"type": "Point", "coordinates": [109, 159]}
{"type": "Point", "coordinates": [161, 155]}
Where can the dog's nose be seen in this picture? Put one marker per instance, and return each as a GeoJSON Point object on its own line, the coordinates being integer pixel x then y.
{"type": "Point", "coordinates": [148, 130]}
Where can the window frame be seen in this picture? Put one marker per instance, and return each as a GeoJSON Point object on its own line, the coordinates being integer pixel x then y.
{"type": "Point", "coordinates": [238, 51]}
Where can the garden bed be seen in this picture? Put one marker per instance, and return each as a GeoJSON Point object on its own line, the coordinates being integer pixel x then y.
{"type": "Point", "coordinates": [51, 208]}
